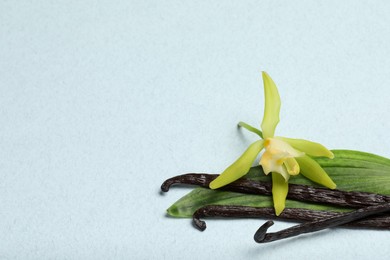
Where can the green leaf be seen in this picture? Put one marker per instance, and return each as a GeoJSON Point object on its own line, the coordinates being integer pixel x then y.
{"type": "Point", "coordinates": [350, 170]}
{"type": "Point", "coordinates": [200, 197]}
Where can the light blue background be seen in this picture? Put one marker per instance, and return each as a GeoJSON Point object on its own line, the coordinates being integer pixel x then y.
{"type": "Point", "coordinates": [100, 101]}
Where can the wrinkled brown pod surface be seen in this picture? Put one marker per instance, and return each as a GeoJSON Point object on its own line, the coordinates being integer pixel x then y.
{"type": "Point", "coordinates": [261, 236]}
{"type": "Point", "coordinates": [301, 215]}
{"type": "Point", "coordinates": [296, 192]}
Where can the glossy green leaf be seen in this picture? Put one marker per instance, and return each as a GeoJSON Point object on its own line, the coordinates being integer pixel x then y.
{"type": "Point", "coordinates": [200, 197]}
{"type": "Point", "coordinates": [350, 170]}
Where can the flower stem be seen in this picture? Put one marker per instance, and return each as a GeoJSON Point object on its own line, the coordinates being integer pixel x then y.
{"type": "Point", "coordinates": [250, 128]}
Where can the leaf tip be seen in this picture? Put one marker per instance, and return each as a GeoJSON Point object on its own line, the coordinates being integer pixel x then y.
{"type": "Point", "coordinates": [173, 211]}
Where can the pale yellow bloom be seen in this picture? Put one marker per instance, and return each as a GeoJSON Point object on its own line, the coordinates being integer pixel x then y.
{"type": "Point", "coordinates": [282, 157]}
{"type": "Point", "coordinates": [279, 157]}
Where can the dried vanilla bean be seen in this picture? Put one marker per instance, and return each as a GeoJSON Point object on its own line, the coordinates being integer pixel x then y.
{"type": "Point", "coordinates": [228, 211]}
{"type": "Point", "coordinates": [198, 179]}
{"type": "Point", "coordinates": [296, 192]}
{"type": "Point", "coordinates": [261, 236]}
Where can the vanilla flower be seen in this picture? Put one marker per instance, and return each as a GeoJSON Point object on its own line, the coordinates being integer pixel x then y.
{"type": "Point", "coordinates": [282, 156]}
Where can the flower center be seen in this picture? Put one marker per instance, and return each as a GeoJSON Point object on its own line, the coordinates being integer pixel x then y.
{"type": "Point", "coordinates": [279, 157]}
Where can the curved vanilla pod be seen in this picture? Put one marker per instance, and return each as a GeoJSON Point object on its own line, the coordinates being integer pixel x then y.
{"type": "Point", "coordinates": [352, 199]}
{"type": "Point", "coordinates": [261, 236]}
{"type": "Point", "coordinates": [296, 214]}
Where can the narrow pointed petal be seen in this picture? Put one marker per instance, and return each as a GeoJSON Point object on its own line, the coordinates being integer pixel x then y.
{"type": "Point", "coordinates": [308, 147]}
{"type": "Point", "coordinates": [240, 167]}
{"type": "Point", "coordinates": [313, 171]}
{"type": "Point", "coordinates": [271, 107]}
{"type": "Point", "coordinates": [279, 192]}
{"type": "Point", "coordinates": [251, 129]}
{"type": "Point", "coordinates": [292, 166]}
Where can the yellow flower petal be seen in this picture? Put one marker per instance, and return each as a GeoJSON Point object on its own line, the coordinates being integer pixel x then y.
{"type": "Point", "coordinates": [240, 167]}
{"type": "Point", "coordinates": [271, 107]}
{"type": "Point", "coordinates": [313, 171]}
{"type": "Point", "coordinates": [279, 192]}
{"type": "Point", "coordinates": [308, 147]}
{"type": "Point", "coordinates": [292, 166]}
